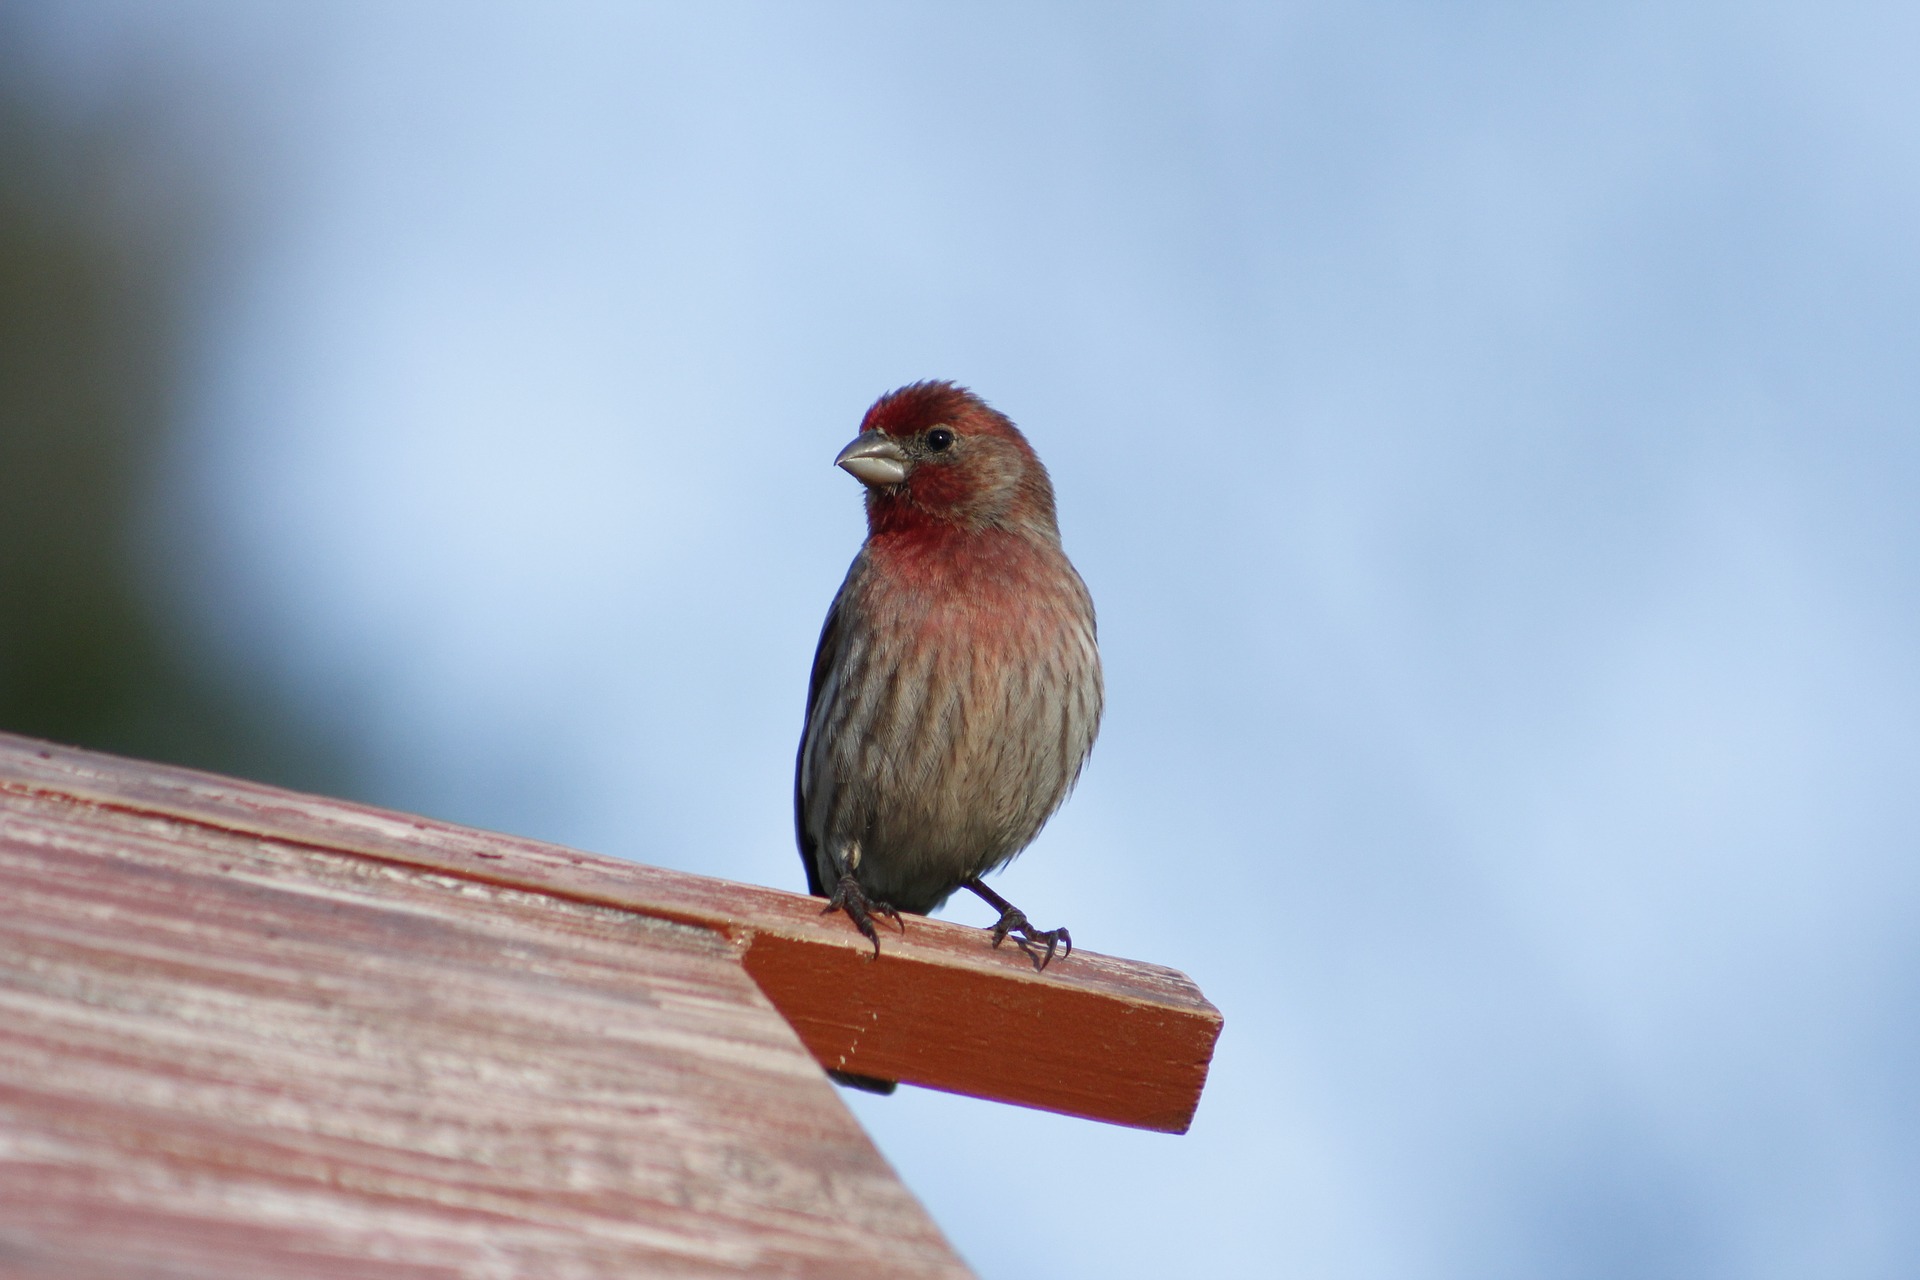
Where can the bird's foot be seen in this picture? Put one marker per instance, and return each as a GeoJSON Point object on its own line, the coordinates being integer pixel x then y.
{"type": "Point", "coordinates": [849, 897]}
{"type": "Point", "coordinates": [1013, 921]}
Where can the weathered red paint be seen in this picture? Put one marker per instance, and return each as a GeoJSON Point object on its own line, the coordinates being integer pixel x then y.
{"type": "Point", "coordinates": [249, 1032]}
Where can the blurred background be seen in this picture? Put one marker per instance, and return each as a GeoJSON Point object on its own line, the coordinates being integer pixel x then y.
{"type": "Point", "coordinates": [1490, 432]}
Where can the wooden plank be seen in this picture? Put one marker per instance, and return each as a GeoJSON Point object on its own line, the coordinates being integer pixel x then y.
{"type": "Point", "coordinates": [224, 1054]}
{"type": "Point", "coordinates": [1093, 1036]}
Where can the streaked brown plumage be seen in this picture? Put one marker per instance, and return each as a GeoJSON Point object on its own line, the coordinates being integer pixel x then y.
{"type": "Point", "coordinates": [956, 690]}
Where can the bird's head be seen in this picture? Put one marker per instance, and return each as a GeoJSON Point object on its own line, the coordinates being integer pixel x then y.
{"type": "Point", "coordinates": [934, 455]}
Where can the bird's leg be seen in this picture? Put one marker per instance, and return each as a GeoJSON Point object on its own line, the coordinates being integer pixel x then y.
{"type": "Point", "coordinates": [1014, 921]}
{"type": "Point", "coordinates": [849, 897]}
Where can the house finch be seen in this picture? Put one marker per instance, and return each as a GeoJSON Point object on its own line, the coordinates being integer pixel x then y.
{"type": "Point", "coordinates": [956, 690]}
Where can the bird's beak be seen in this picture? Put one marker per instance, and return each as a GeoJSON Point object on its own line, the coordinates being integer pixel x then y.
{"type": "Point", "coordinates": [874, 459]}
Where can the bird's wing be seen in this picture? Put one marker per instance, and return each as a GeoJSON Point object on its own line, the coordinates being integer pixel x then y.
{"type": "Point", "coordinates": [824, 655]}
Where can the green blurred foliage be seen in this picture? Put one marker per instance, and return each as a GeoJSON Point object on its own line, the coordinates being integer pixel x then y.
{"type": "Point", "coordinates": [94, 256]}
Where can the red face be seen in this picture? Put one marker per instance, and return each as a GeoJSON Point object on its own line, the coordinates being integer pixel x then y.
{"type": "Point", "coordinates": [935, 454]}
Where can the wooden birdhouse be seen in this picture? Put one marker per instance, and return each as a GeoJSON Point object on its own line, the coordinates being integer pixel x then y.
{"type": "Point", "coordinates": [250, 1033]}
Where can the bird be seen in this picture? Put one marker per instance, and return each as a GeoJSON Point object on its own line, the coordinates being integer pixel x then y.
{"type": "Point", "coordinates": [956, 690]}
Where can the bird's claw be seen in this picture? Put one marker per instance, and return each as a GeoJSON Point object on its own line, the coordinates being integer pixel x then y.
{"type": "Point", "coordinates": [849, 897]}
{"type": "Point", "coordinates": [1014, 921]}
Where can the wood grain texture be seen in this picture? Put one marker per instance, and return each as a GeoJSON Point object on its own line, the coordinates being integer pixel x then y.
{"type": "Point", "coordinates": [228, 1054]}
{"type": "Point", "coordinates": [1093, 1036]}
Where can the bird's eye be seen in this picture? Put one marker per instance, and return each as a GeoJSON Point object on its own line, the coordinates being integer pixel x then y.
{"type": "Point", "coordinates": [939, 440]}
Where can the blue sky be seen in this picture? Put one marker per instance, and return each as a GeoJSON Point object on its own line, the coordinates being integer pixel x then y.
{"type": "Point", "coordinates": [1490, 434]}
